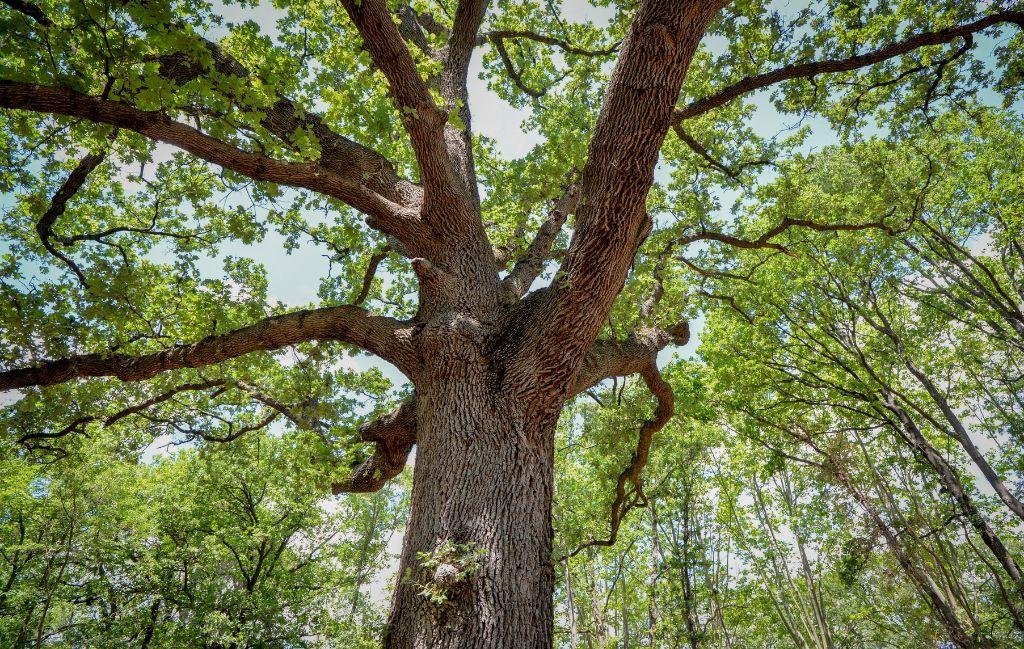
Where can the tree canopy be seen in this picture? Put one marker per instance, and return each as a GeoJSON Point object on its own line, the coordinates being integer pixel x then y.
{"type": "Point", "coordinates": [830, 202]}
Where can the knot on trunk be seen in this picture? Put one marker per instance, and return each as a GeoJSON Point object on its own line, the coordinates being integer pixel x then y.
{"type": "Point", "coordinates": [448, 572]}
{"type": "Point", "coordinates": [446, 575]}
{"type": "Point", "coordinates": [453, 336]}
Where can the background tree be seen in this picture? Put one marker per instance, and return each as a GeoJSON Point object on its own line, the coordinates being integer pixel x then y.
{"type": "Point", "coordinates": [359, 111]}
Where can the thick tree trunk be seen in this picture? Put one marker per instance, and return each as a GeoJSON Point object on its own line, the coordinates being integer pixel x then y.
{"type": "Point", "coordinates": [483, 482]}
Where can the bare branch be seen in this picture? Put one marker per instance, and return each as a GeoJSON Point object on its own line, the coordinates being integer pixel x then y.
{"type": "Point", "coordinates": [830, 66]}
{"type": "Point", "coordinates": [388, 338]}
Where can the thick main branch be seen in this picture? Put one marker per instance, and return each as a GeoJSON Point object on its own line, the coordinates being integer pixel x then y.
{"type": "Point", "coordinates": [612, 220]}
{"type": "Point", "coordinates": [391, 217]}
{"type": "Point", "coordinates": [386, 337]}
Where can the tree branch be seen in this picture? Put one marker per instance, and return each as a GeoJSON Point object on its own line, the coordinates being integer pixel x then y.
{"type": "Point", "coordinates": [284, 118]}
{"type": "Point", "coordinates": [423, 120]}
{"type": "Point", "coordinates": [386, 337]}
{"type": "Point", "coordinates": [829, 66]}
{"type": "Point", "coordinates": [371, 272]}
{"type": "Point", "coordinates": [698, 148]}
{"type": "Point", "coordinates": [609, 358]}
{"type": "Point", "coordinates": [765, 240]}
{"type": "Point", "coordinates": [77, 424]}
{"type": "Point", "coordinates": [59, 203]}
{"type": "Point", "coordinates": [389, 217]}
{"type": "Point", "coordinates": [537, 253]}
{"type": "Point", "coordinates": [612, 220]}
{"type": "Point", "coordinates": [498, 38]}
{"type": "Point", "coordinates": [627, 499]}
{"type": "Point", "coordinates": [29, 9]}
{"type": "Point", "coordinates": [394, 435]}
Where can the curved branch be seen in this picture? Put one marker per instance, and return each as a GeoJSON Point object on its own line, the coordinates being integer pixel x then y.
{"type": "Point", "coordinates": [284, 119]}
{"type": "Point", "coordinates": [371, 272]}
{"type": "Point", "coordinates": [389, 217]}
{"type": "Point", "coordinates": [394, 435]}
{"type": "Point", "coordinates": [765, 240]}
{"type": "Point", "coordinates": [565, 46]}
{"type": "Point", "coordinates": [627, 499]}
{"type": "Point", "coordinates": [498, 38]}
{"type": "Point", "coordinates": [77, 424]}
{"type": "Point", "coordinates": [610, 358]}
{"type": "Point", "coordinates": [732, 173]}
{"type": "Point", "coordinates": [829, 66]}
{"type": "Point", "coordinates": [59, 203]}
{"type": "Point", "coordinates": [386, 337]}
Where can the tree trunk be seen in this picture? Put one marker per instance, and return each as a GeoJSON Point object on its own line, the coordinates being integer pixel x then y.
{"type": "Point", "coordinates": [483, 481]}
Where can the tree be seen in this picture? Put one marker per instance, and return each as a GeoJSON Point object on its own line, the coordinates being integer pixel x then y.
{"type": "Point", "coordinates": [218, 546]}
{"type": "Point", "coordinates": [362, 107]}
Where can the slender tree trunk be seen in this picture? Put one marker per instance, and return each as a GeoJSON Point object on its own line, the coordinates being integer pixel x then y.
{"type": "Point", "coordinates": [483, 482]}
{"type": "Point", "coordinates": [574, 632]}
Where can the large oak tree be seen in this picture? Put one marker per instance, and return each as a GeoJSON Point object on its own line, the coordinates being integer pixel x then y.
{"type": "Point", "coordinates": [360, 109]}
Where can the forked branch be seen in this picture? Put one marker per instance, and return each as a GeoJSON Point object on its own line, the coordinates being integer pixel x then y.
{"type": "Point", "coordinates": [59, 203]}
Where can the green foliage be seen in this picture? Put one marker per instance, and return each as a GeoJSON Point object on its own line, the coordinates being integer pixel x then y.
{"type": "Point", "coordinates": [758, 529]}
{"type": "Point", "coordinates": [446, 571]}
{"type": "Point", "coordinates": [227, 544]}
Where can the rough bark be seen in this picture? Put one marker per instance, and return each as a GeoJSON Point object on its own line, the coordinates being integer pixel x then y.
{"type": "Point", "coordinates": [388, 216]}
{"type": "Point", "coordinates": [483, 480]}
